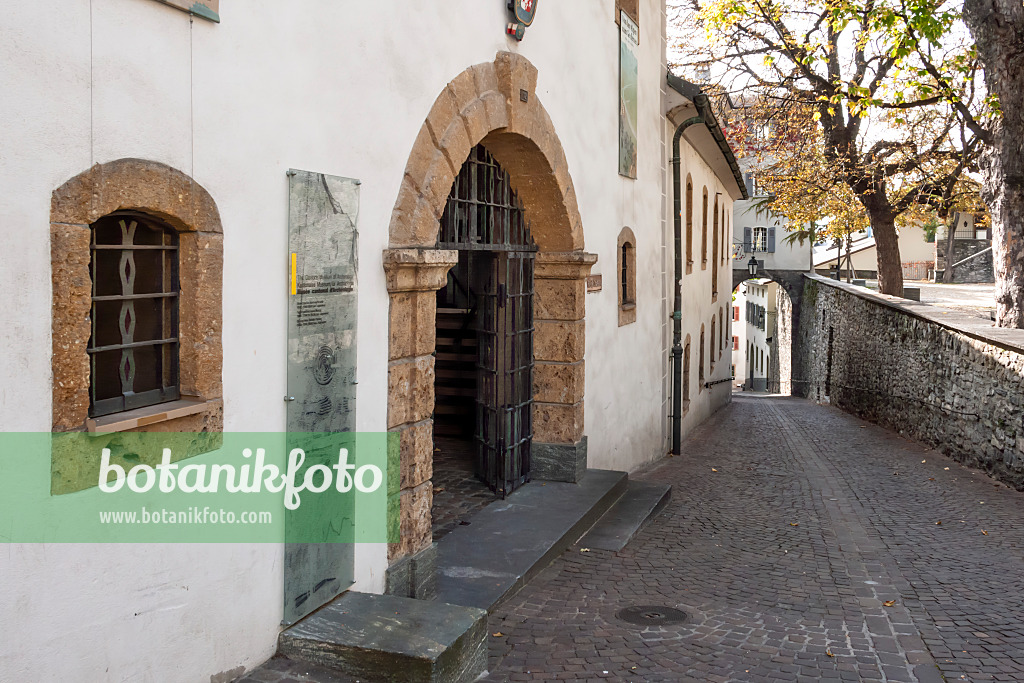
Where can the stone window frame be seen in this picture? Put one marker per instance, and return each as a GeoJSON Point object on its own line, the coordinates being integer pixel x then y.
{"type": "Point", "coordinates": [704, 233]}
{"type": "Point", "coordinates": [689, 224]}
{"type": "Point", "coordinates": [175, 199]}
{"type": "Point", "coordinates": [626, 270]}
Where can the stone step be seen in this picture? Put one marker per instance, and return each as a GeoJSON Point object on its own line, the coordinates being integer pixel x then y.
{"type": "Point", "coordinates": [640, 504]}
{"type": "Point", "coordinates": [394, 639]}
{"type": "Point", "coordinates": [508, 542]}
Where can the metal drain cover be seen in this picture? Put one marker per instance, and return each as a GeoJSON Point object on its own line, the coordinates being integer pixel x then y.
{"type": "Point", "coordinates": [651, 615]}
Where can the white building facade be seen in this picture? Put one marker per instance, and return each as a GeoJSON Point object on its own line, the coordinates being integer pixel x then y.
{"type": "Point", "coordinates": [200, 123]}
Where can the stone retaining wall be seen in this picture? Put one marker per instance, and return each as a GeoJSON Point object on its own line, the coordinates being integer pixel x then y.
{"type": "Point", "coordinates": [978, 269]}
{"type": "Point", "coordinates": [947, 379]}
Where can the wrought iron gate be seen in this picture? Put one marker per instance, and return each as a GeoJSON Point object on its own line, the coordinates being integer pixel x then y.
{"type": "Point", "coordinates": [484, 220]}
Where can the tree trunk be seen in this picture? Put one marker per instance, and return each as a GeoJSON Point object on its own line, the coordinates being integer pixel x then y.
{"type": "Point", "coordinates": [998, 29]}
{"type": "Point", "coordinates": [887, 246]}
{"type": "Point", "coordinates": [947, 272]}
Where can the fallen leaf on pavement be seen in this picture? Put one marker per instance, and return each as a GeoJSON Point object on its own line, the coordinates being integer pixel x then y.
{"type": "Point", "coordinates": [984, 532]}
{"type": "Point", "coordinates": [889, 603]}
{"type": "Point", "coordinates": [794, 524]}
{"type": "Point", "coordinates": [584, 550]}
{"type": "Point", "coordinates": [939, 523]}
{"type": "Point", "coordinates": [497, 634]}
{"type": "Point", "coordinates": [829, 653]}
{"type": "Point", "coordinates": [713, 469]}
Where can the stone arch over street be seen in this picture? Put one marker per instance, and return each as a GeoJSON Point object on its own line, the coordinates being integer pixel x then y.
{"type": "Point", "coordinates": [792, 282]}
{"type": "Point", "coordinates": [494, 105]}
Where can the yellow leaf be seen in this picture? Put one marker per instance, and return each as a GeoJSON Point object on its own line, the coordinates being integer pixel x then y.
{"type": "Point", "coordinates": [984, 532]}
{"type": "Point", "coordinates": [713, 469]}
{"type": "Point", "coordinates": [889, 603]}
{"type": "Point", "coordinates": [497, 634]}
{"type": "Point", "coordinates": [584, 550]}
{"type": "Point", "coordinates": [793, 524]}
{"type": "Point", "coordinates": [829, 652]}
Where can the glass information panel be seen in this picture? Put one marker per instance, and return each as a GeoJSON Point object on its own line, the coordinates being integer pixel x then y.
{"type": "Point", "coordinates": [322, 305]}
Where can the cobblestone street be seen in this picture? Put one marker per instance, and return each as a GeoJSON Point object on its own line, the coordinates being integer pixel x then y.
{"type": "Point", "coordinates": [804, 545]}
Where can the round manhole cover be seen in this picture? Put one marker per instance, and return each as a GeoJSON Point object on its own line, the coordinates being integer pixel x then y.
{"type": "Point", "coordinates": [651, 615]}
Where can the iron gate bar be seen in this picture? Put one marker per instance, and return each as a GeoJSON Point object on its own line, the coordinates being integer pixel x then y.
{"type": "Point", "coordinates": [484, 216]}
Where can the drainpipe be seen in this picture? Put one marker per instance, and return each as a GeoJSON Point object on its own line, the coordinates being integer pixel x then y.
{"type": "Point", "coordinates": [677, 313]}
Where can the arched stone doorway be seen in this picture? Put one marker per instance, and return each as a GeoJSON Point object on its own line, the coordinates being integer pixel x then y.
{"type": "Point", "coordinates": [494, 105]}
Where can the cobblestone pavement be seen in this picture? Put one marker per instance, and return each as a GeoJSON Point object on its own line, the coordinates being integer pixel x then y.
{"type": "Point", "coordinates": [805, 545]}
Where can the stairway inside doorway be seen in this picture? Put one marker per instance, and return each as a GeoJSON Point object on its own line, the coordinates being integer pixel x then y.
{"type": "Point", "coordinates": [458, 492]}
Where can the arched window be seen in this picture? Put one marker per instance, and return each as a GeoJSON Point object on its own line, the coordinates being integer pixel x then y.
{"type": "Point", "coordinates": [627, 277]}
{"type": "Point", "coordinates": [711, 348]}
{"type": "Point", "coordinates": [721, 327]}
{"type": "Point", "coordinates": [147, 328]}
{"type": "Point", "coordinates": [700, 361]}
{"type": "Point", "coordinates": [714, 256]}
{"type": "Point", "coordinates": [704, 233]}
{"type": "Point", "coordinates": [686, 374]}
{"type": "Point", "coordinates": [133, 350]}
{"type": "Point", "coordinates": [689, 224]}
{"type": "Point", "coordinates": [726, 242]}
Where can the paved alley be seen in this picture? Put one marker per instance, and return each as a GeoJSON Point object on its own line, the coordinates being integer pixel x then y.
{"type": "Point", "coordinates": [803, 544]}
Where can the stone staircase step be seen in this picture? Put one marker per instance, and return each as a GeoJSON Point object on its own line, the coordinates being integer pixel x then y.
{"type": "Point", "coordinates": [508, 542]}
{"type": "Point", "coordinates": [393, 639]}
{"type": "Point", "coordinates": [640, 503]}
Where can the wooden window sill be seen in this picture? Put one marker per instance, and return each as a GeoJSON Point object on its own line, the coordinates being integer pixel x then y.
{"type": "Point", "coordinates": [141, 417]}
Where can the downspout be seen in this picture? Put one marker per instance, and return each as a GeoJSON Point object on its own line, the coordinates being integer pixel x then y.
{"type": "Point", "coordinates": [677, 313]}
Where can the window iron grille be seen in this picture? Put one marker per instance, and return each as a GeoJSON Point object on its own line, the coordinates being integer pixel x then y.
{"type": "Point", "coordinates": [133, 348]}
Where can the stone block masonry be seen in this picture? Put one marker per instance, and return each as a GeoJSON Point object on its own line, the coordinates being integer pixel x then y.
{"type": "Point", "coordinates": [943, 378]}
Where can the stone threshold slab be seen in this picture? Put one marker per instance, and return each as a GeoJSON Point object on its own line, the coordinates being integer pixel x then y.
{"type": "Point", "coordinates": [390, 638]}
{"type": "Point", "coordinates": [508, 542]}
{"type": "Point", "coordinates": [638, 506]}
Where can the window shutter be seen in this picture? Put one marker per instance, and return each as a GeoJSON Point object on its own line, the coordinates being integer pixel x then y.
{"type": "Point", "coordinates": [748, 180]}
{"type": "Point", "coordinates": [771, 240]}
{"type": "Point", "coordinates": [748, 240]}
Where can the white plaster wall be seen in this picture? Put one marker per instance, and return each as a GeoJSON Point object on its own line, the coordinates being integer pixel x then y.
{"type": "Point", "coordinates": [339, 88]}
{"type": "Point", "coordinates": [698, 304]}
{"type": "Point", "coordinates": [624, 415]}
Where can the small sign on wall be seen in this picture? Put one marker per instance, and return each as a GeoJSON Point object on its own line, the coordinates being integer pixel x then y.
{"type": "Point", "coordinates": [207, 9]}
{"type": "Point", "coordinates": [594, 283]}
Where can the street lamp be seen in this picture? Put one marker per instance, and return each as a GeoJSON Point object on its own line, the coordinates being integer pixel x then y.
{"type": "Point", "coordinates": [752, 267]}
